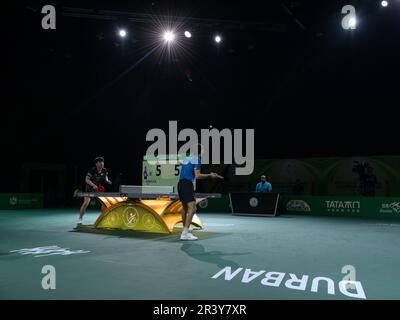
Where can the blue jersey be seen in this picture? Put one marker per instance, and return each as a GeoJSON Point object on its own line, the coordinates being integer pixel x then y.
{"type": "Point", "coordinates": [263, 187]}
{"type": "Point", "coordinates": [188, 166]}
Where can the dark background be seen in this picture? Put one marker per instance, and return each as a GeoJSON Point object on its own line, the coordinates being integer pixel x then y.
{"type": "Point", "coordinates": [307, 87]}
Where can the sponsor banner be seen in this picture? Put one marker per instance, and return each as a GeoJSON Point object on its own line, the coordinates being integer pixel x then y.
{"type": "Point", "coordinates": [298, 206]}
{"type": "Point", "coordinates": [215, 205]}
{"type": "Point", "coordinates": [21, 201]}
{"type": "Point", "coordinates": [375, 207]}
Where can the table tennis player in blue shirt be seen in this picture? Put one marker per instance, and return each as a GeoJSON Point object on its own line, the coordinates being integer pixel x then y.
{"type": "Point", "coordinates": [190, 171]}
{"type": "Point", "coordinates": [264, 185]}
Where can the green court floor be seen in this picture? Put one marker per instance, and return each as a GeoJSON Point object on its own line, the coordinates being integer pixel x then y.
{"type": "Point", "coordinates": [133, 265]}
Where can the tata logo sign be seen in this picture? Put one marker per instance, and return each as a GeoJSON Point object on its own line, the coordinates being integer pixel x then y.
{"type": "Point", "coordinates": [343, 206]}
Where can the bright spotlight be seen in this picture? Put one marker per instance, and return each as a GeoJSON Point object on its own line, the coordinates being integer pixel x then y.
{"type": "Point", "coordinates": [218, 39]}
{"type": "Point", "coordinates": [384, 3]}
{"type": "Point", "coordinates": [352, 22]}
{"type": "Point", "coordinates": [122, 33]}
{"type": "Point", "coordinates": [169, 36]}
{"type": "Point", "coordinates": [188, 34]}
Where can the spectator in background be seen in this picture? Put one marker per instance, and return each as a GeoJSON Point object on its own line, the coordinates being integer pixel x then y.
{"type": "Point", "coordinates": [298, 188]}
{"type": "Point", "coordinates": [264, 185]}
{"type": "Point", "coordinates": [370, 183]}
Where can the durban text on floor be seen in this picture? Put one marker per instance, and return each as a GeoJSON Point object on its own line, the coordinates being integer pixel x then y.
{"type": "Point", "coordinates": [348, 288]}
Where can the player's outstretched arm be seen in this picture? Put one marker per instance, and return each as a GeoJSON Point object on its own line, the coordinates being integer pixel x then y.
{"type": "Point", "coordinates": [211, 175]}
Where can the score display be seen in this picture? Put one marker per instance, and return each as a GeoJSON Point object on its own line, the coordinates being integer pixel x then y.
{"type": "Point", "coordinates": [160, 172]}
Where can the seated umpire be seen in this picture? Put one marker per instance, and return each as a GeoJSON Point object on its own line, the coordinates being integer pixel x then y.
{"type": "Point", "coordinates": [264, 185]}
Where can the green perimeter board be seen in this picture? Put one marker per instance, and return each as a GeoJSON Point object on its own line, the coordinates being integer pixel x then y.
{"type": "Point", "coordinates": [374, 207]}
{"type": "Point", "coordinates": [21, 201]}
{"type": "Point", "coordinates": [220, 205]}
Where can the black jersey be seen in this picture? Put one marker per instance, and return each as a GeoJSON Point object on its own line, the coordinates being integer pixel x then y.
{"type": "Point", "coordinates": [98, 178]}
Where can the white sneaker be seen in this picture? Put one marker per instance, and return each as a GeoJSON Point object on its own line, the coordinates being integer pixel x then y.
{"type": "Point", "coordinates": [188, 236]}
{"type": "Point", "coordinates": [80, 221]}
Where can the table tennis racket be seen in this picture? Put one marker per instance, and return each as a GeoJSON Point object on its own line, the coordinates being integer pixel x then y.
{"type": "Point", "coordinates": [100, 188]}
{"type": "Point", "coordinates": [217, 176]}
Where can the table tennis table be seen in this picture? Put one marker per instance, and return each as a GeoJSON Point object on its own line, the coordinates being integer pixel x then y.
{"type": "Point", "coordinates": [137, 208]}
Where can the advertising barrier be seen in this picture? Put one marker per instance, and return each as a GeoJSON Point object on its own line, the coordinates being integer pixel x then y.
{"type": "Point", "coordinates": [372, 207]}
{"type": "Point", "coordinates": [9, 201]}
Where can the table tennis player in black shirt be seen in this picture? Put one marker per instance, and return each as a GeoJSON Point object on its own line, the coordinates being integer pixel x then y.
{"type": "Point", "coordinates": [95, 180]}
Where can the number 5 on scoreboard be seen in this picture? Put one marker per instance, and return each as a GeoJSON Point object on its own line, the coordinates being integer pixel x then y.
{"type": "Point", "coordinates": [177, 170]}
{"type": "Point", "coordinates": [158, 170]}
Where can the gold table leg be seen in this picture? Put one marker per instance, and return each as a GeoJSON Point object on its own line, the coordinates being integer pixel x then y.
{"type": "Point", "coordinates": [158, 215]}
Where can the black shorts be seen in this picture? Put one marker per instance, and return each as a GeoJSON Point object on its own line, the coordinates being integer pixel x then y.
{"type": "Point", "coordinates": [186, 191]}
